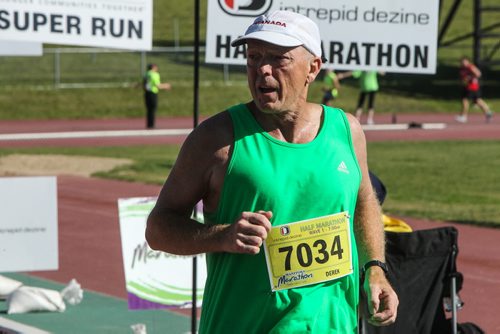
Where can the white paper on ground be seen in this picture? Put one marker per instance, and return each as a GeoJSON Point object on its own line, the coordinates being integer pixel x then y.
{"type": "Point", "coordinates": [72, 293]}
{"type": "Point", "coordinates": [32, 299]}
{"type": "Point", "coordinates": [7, 286]}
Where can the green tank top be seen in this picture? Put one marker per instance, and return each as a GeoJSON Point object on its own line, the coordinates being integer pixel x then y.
{"type": "Point", "coordinates": [295, 182]}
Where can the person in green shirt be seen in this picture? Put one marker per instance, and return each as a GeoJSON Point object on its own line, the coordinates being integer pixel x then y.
{"type": "Point", "coordinates": [368, 85]}
{"type": "Point", "coordinates": [152, 85]}
{"type": "Point", "coordinates": [262, 170]}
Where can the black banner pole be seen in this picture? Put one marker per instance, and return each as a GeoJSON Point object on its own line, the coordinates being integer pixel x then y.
{"type": "Point", "coordinates": [196, 60]}
{"type": "Point", "coordinates": [194, 313]}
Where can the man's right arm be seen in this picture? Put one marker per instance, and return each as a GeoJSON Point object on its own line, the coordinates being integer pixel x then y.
{"type": "Point", "coordinates": [165, 86]}
{"type": "Point", "coordinates": [475, 70]}
{"type": "Point", "coordinates": [198, 174]}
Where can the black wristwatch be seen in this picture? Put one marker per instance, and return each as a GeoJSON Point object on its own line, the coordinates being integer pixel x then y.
{"type": "Point", "coordinates": [374, 263]}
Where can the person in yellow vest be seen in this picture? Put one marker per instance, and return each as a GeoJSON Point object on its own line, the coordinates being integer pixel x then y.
{"type": "Point", "coordinates": [331, 85]}
{"type": "Point", "coordinates": [152, 85]}
{"type": "Point", "coordinates": [291, 220]}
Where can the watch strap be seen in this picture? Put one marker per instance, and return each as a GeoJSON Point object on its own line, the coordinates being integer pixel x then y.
{"type": "Point", "coordinates": [375, 263]}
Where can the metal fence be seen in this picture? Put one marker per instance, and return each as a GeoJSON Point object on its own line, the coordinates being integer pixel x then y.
{"type": "Point", "coordinates": [60, 68]}
{"type": "Point", "coordinates": [70, 67]}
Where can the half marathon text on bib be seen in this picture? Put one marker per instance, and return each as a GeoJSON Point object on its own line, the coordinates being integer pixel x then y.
{"type": "Point", "coordinates": [308, 252]}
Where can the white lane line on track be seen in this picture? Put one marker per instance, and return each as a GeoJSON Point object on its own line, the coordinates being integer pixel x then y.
{"type": "Point", "coordinates": [94, 134]}
{"type": "Point", "coordinates": [403, 126]}
{"type": "Point", "coordinates": [433, 126]}
{"type": "Point", "coordinates": [18, 327]}
{"type": "Point", "coordinates": [180, 132]}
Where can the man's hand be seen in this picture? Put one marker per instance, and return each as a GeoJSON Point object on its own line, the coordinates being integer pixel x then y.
{"type": "Point", "coordinates": [165, 86]}
{"type": "Point", "coordinates": [247, 233]}
{"type": "Point", "coordinates": [381, 298]}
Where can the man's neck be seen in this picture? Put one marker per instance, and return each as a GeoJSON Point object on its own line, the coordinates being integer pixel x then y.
{"type": "Point", "coordinates": [295, 126]}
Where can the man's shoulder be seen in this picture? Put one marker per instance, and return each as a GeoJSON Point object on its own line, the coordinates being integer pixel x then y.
{"type": "Point", "coordinates": [220, 120]}
{"type": "Point", "coordinates": [223, 120]}
{"type": "Point", "coordinates": [215, 131]}
{"type": "Point", "coordinates": [340, 115]}
{"type": "Point", "coordinates": [357, 133]}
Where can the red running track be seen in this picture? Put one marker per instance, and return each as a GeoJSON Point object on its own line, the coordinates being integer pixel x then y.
{"type": "Point", "coordinates": [475, 129]}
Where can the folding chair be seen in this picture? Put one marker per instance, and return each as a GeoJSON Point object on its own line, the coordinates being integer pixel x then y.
{"type": "Point", "coordinates": [422, 270]}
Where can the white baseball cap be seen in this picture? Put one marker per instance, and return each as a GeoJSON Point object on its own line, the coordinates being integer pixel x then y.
{"type": "Point", "coordinates": [284, 28]}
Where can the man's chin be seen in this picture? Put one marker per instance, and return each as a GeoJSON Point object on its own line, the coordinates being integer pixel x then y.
{"type": "Point", "coordinates": [268, 107]}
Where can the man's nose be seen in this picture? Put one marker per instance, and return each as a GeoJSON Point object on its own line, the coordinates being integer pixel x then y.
{"type": "Point", "coordinates": [265, 66]}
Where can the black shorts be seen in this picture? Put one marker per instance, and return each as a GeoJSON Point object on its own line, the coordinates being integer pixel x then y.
{"type": "Point", "coordinates": [328, 96]}
{"type": "Point", "coordinates": [471, 94]}
{"type": "Point", "coordinates": [371, 99]}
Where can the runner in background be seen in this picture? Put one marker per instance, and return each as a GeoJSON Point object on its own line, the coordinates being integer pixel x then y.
{"type": "Point", "coordinates": [469, 75]}
{"type": "Point", "coordinates": [331, 86]}
{"type": "Point", "coordinates": [368, 86]}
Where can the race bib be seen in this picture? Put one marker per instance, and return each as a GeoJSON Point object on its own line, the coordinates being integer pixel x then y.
{"type": "Point", "coordinates": [309, 251]}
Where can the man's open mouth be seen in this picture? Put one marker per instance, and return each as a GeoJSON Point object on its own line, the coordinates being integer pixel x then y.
{"type": "Point", "coordinates": [266, 90]}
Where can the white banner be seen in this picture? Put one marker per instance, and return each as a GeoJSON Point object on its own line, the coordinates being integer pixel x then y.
{"type": "Point", "coordinates": [154, 279]}
{"type": "Point", "coordinates": [102, 23]}
{"type": "Point", "coordinates": [12, 48]}
{"type": "Point", "coordinates": [384, 35]}
{"type": "Point", "coordinates": [28, 224]}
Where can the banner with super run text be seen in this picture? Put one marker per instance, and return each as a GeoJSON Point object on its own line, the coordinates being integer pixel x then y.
{"type": "Point", "coordinates": [384, 35]}
{"type": "Point", "coordinates": [101, 23]}
{"type": "Point", "coordinates": [154, 279]}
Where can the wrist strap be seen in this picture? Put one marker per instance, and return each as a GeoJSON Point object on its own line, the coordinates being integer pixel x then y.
{"type": "Point", "coordinates": [375, 263]}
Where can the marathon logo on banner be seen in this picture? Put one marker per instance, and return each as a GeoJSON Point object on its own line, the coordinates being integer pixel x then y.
{"type": "Point", "coordinates": [90, 23]}
{"type": "Point", "coordinates": [251, 8]}
{"type": "Point", "coordinates": [356, 35]}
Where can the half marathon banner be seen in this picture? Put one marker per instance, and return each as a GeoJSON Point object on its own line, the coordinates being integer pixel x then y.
{"type": "Point", "coordinates": [385, 35]}
{"type": "Point", "coordinates": [101, 23]}
{"type": "Point", "coordinates": [154, 279]}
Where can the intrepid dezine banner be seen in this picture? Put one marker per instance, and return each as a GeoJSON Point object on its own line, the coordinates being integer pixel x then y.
{"type": "Point", "coordinates": [386, 35]}
{"type": "Point", "coordinates": [28, 224]}
{"type": "Point", "coordinates": [101, 23]}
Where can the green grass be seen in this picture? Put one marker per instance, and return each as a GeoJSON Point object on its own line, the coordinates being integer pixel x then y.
{"type": "Point", "coordinates": [444, 180]}
{"type": "Point", "coordinates": [42, 101]}
{"type": "Point", "coordinates": [152, 163]}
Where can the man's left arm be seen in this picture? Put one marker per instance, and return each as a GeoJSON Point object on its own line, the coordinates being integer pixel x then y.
{"type": "Point", "coordinates": [370, 238]}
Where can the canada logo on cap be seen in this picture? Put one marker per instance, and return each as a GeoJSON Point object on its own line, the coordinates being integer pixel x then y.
{"type": "Point", "coordinates": [245, 7]}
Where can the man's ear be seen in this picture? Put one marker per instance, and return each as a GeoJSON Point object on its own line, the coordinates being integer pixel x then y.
{"type": "Point", "coordinates": [314, 68]}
